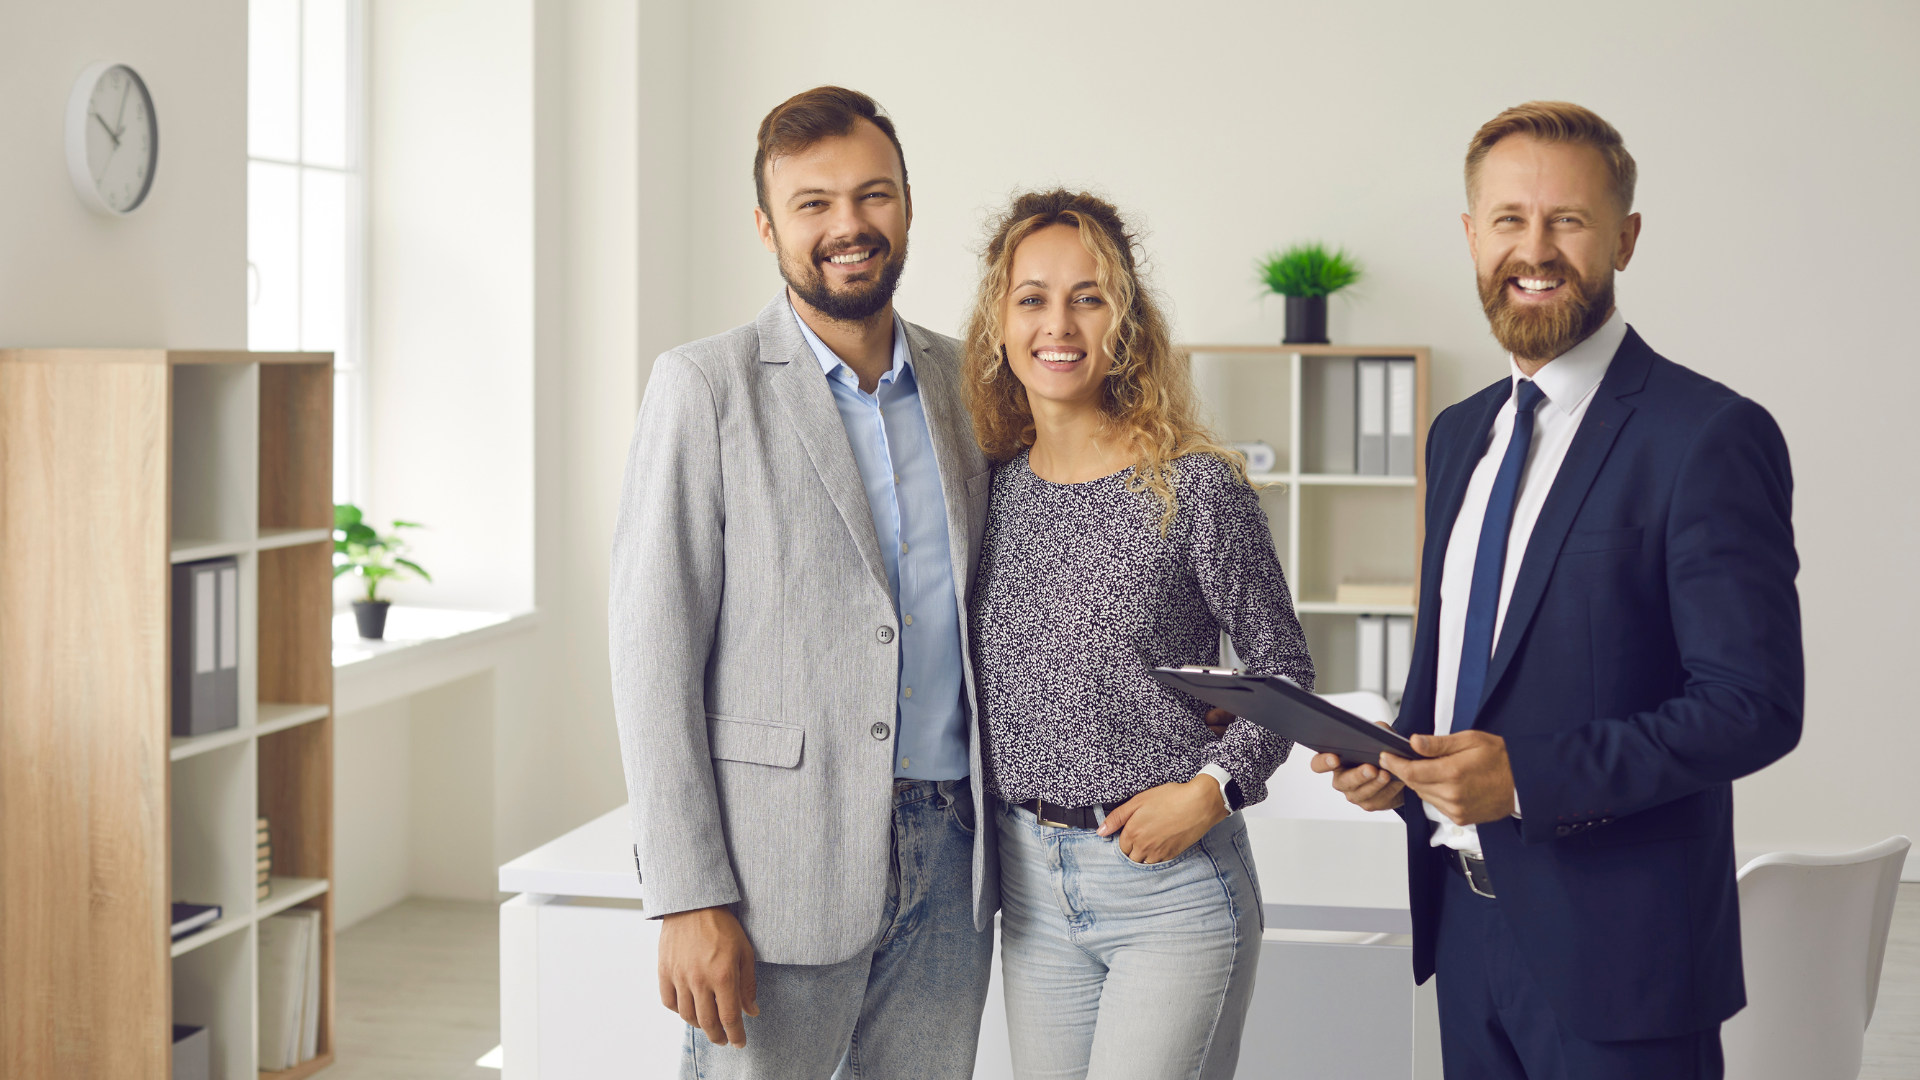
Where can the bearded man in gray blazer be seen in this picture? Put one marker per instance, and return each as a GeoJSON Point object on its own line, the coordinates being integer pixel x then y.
{"type": "Point", "coordinates": [803, 507]}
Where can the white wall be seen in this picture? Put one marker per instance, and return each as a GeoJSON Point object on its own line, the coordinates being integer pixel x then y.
{"type": "Point", "coordinates": [173, 273]}
{"type": "Point", "coordinates": [1776, 145]}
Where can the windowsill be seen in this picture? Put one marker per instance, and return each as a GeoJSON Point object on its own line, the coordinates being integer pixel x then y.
{"type": "Point", "coordinates": [423, 648]}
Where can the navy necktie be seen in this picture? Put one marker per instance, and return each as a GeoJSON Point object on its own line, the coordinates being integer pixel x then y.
{"type": "Point", "coordinates": [1490, 560]}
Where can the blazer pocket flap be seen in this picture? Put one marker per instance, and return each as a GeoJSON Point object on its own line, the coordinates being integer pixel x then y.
{"type": "Point", "coordinates": [761, 742]}
{"type": "Point", "coordinates": [979, 485]}
{"type": "Point", "coordinates": [1601, 540]}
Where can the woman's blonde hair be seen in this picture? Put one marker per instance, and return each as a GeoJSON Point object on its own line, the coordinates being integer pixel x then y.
{"type": "Point", "coordinates": [1148, 397]}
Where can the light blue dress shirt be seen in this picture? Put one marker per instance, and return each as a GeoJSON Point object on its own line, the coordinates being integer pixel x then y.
{"type": "Point", "coordinates": [893, 448]}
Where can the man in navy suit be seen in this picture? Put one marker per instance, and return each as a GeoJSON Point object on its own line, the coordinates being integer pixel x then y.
{"type": "Point", "coordinates": [1609, 636]}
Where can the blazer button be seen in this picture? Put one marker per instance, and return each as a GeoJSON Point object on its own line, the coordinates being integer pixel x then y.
{"type": "Point", "coordinates": [885, 634]}
{"type": "Point", "coordinates": [880, 731]}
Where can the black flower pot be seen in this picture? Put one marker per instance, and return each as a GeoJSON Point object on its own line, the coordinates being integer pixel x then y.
{"type": "Point", "coordinates": [1306, 320]}
{"type": "Point", "coordinates": [371, 615]}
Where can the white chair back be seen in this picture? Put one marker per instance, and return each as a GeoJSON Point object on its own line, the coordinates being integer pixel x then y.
{"type": "Point", "coordinates": [1813, 933]}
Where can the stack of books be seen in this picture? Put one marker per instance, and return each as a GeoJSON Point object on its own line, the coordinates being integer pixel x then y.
{"type": "Point", "coordinates": [262, 861]}
{"type": "Point", "coordinates": [289, 989]}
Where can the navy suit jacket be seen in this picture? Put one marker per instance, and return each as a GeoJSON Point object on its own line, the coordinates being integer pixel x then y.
{"type": "Point", "coordinates": [1650, 656]}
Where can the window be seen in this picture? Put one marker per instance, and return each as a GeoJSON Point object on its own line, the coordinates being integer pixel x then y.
{"type": "Point", "coordinates": [305, 225]}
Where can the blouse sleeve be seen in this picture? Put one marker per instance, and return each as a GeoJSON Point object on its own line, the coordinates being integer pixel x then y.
{"type": "Point", "coordinates": [1233, 558]}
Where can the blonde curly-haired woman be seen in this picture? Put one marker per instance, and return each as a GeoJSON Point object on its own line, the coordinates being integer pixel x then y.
{"type": "Point", "coordinates": [1121, 537]}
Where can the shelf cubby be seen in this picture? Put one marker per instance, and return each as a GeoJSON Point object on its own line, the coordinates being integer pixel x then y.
{"type": "Point", "coordinates": [118, 463]}
{"type": "Point", "coordinates": [1330, 525]}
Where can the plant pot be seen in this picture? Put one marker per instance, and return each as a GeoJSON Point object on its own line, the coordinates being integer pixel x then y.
{"type": "Point", "coordinates": [371, 615]}
{"type": "Point", "coordinates": [1306, 320]}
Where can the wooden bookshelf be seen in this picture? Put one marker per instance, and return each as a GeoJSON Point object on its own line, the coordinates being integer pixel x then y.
{"type": "Point", "coordinates": [114, 464]}
{"type": "Point", "coordinates": [1329, 527]}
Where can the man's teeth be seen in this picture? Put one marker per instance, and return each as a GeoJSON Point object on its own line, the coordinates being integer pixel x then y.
{"type": "Point", "coordinates": [1058, 357]}
{"type": "Point", "coordinates": [851, 257]}
{"type": "Point", "coordinates": [1537, 284]}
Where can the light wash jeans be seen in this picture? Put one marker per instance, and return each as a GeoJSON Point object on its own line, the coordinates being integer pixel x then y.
{"type": "Point", "coordinates": [1118, 971]}
{"type": "Point", "coordinates": [909, 1007]}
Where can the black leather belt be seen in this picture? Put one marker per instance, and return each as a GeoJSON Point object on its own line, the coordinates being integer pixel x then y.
{"type": "Point", "coordinates": [1475, 869]}
{"type": "Point", "coordinates": [1067, 817]}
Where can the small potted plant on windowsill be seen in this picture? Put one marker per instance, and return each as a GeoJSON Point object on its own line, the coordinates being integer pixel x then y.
{"type": "Point", "coordinates": [1306, 274]}
{"type": "Point", "coordinates": [359, 549]}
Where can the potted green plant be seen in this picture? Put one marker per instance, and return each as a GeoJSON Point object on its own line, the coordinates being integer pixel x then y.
{"type": "Point", "coordinates": [1306, 274]}
{"type": "Point", "coordinates": [359, 549]}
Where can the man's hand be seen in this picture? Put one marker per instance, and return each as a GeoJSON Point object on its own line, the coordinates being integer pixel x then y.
{"type": "Point", "coordinates": [1164, 821]}
{"type": "Point", "coordinates": [1466, 777]}
{"type": "Point", "coordinates": [706, 972]}
{"type": "Point", "coordinates": [1364, 786]}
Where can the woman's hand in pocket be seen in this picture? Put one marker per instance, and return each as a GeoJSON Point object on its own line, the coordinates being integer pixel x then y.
{"type": "Point", "coordinates": [1161, 822]}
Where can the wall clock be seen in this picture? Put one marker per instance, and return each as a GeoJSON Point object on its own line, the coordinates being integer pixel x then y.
{"type": "Point", "coordinates": [113, 138]}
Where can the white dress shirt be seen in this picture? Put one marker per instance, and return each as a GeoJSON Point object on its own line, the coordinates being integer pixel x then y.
{"type": "Point", "coordinates": [1568, 382]}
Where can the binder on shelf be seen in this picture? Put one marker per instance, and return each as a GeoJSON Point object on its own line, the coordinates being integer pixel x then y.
{"type": "Point", "coordinates": [284, 952]}
{"type": "Point", "coordinates": [1370, 416]}
{"type": "Point", "coordinates": [310, 1005]}
{"type": "Point", "coordinates": [1372, 654]}
{"type": "Point", "coordinates": [206, 646]}
{"type": "Point", "coordinates": [1400, 392]}
{"type": "Point", "coordinates": [1336, 419]}
{"type": "Point", "coordinates": [192, 1053]}
{"type": "Point", "coordinates": [190, 917]}
{"type": "Point", "coordinates": [1399, 655]}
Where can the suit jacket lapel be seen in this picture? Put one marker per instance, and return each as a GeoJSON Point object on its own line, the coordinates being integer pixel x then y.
{"type": "Point", "coordinates": [954, 448]}
{"type": "Point", "coordinates": [1449, 490]}
{"type": "Point", "coordinates": [802, 388]}
{"type": "Point", "coordinates": [1591, 444]}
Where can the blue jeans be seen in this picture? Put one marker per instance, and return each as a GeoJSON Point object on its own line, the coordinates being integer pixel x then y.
{"type": "Point", "coordinates": [1123, 971]}
{"type": "Point", "coordinates": [910, 1005]}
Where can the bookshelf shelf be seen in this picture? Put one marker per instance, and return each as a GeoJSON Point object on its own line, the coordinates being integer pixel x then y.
{"type": "Point", "coordinates": [272, 717]}
{"type": "Point", "coordinates": [115, 465]}
{"type": "Point", "coordinates": [211, 933]}
{"type": "Point", "coordinates": [288, 892]}
{"type": "Point", "coordinates": [1330, 524]}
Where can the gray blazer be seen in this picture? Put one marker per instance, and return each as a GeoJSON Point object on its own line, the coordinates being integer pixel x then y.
{"type": "Point", "coordinates": [755, 643]}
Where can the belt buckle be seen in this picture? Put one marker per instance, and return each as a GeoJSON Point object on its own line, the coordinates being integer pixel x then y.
{"type": "Point", "coordinates": [1040, 812]}
{"type": "Point", "coordinates": [1466, 867]}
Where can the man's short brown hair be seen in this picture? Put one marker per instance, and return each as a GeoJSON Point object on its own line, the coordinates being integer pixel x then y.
{"type": "Point", "coordinates": [823, 112]}
{"type": "Point", "coordinates": [1557, 121]}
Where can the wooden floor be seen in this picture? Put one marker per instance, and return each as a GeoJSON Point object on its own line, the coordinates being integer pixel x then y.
{"type": "Point", "coordinates": [1893, 1038]}
{"type": "Point", "coordinates": [419, 994]}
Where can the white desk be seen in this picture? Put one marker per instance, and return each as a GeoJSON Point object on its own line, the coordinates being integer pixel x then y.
{"type": "Point", "coordinates": [579, 998]}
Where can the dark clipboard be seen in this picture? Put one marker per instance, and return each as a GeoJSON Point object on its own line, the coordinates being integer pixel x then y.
{"type": "Point", "coordinates": [1277, 703]}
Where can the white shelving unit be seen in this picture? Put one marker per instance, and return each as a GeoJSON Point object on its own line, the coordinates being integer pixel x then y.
{"type": "Point", "coordinates": [1329, 527]}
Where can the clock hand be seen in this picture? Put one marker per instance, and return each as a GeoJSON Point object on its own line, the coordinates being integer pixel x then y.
{"type": "Point", "coordinates": [120, 117]}
{"type": "Point", "coordinates": [111, 134]}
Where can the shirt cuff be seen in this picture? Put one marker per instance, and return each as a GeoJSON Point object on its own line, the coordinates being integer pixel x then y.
{"type": "Point", "coordinates": [1220, 777]}
{"type": "Point", "coordinates": [1516, 802]}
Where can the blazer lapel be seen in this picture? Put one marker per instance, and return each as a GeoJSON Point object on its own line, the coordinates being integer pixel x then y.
{"type": "Point", "coordinates": [954, 449]}
{"type": "Point", "coordinates": [1591, 444]}
{"type": "Point", "coordinates": [803, 389]}
{"type": "Point", "coordinates": [1448, 492]}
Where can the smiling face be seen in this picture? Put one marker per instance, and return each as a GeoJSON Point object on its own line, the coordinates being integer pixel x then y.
{"type": "Point", "coordinates": [840, 211]}
{"type": "Point", "coordinates": [1056, 320]}
{"type": "Point", "coordinates": [1547, 233]}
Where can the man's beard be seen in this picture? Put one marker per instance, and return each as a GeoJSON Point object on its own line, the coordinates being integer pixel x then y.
{"type": "Point", "coordinates": [859, 300]}
{"type": "Point", "coordinates": [1541, 332]}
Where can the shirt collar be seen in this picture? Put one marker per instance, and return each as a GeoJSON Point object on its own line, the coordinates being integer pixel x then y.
{"type": "Point", "coordinates": [830, 361]}
{"type": "Point", "coordinates": [1567, 379]}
